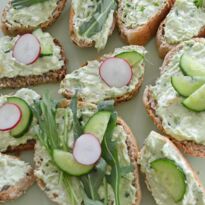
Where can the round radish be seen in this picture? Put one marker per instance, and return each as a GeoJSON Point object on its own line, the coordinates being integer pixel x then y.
{"type": "Point", "coordinates": [87, 149]}
{"type": "Point", "coordinates": [27, 49]}
{"type": "Point", "coordinates": [10, 116]}
{"type": "Point", "coordinates": [115, 72]}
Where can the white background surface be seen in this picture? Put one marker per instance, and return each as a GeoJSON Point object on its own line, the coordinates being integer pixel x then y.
{"type": "Point", "coordinates": [132, 112]}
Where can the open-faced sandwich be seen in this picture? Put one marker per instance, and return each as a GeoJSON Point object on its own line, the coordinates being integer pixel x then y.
{"type": "Point", "coordinates": [91, 22]}
{"type": "Point", "coordinates": [30, 59]}
{"type": "Point", "coordinates": [176, 103]}
{"type": "Point", "coordinates": [85, 154]}
{"type": "Point", "coordinates": [24, 16]}
{"type": "Point", "coordinates": [16, 121]}
{"type": "Point", "coordinates": [169, 176]}
{"type": "Point", "coordinates": [116, 76]}
{"type": "Point", "coordinates": [185, 21]}
{"type": "Point", "coordinates": [139, 20]}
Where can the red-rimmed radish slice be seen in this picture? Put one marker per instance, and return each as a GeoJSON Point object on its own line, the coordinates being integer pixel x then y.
{"type": "Point", "coordinates": [87, 149]}
{"type": "Point", "coordinates": [10, 116]}
{"type": "Point", "coordinates": [27, 49]}
{"type": "Point", "coordinates": [115, 72]}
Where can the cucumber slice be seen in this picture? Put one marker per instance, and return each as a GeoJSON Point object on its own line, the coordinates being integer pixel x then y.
{"type": "Point", "coordinates": [132, 57]}
{"type": "Point", "coordinates": [66, 162]}
{"type": "Point", "coordinates": [26, 119]}
{"type": "Point", "coordinates": [191, 67]}
{"type": "Point", "coordinates": [196, 101]}
{"type": "Point", "coordinates": [171, 178]}
{"type": "Point", "coordinates": [186, 85]}
{"type": "Point", "coordinates": [97, 124]}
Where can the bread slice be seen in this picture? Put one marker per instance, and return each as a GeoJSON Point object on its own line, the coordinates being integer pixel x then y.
{"type": "Point", "coordinates": [58, 195]}
{"type": "Point", "coordinates": [13, 30]}
{"type": "Point", "coordinates": [81, 42]}
{"type": "Point", "coordinates": [16, 177]}
{"type": "Point", "coordinates": [49, 77]}
{"type": "Point", "coordinates": [67, 91]}
{"type": "Point", "coordinates": [159, 147]}
{"type": "Point", "coordinates": [141, 34]}
{"type": "Point", "coordinates": [189, 147]}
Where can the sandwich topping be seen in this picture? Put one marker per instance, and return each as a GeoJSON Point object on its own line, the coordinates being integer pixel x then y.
{"type": "Point", "coordinates": [32, 15]}
{"type": "Point", "coordinates": [138, 12]}
{"type": "Point", "coordinates": [177, 106]}
{"type": "Point", "coordinates": [184, 21]}
{"type": "Point", "coordinates": [95, 86]}
{"type": "Point", "coordinates": [43, 56]}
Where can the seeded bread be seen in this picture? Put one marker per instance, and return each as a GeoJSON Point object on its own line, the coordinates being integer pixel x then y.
{"type": "Point", "coordinates": [132, 149]}
{"type": "Point", "coordinates": [142, 34]}
{"type": "Point", "coordinates": [9, 29]}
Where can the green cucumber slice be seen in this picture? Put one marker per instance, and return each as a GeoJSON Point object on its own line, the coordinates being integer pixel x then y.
{"type": "Point", "coordinates": [186, 85]}
{"type": "Point", "coordinates": [132, 57]}
{"type": "Point", "coordinates": [196, 101]}
{"type": "Point", "coordinates": [26, 119]}
{"type": "Point", "coordinates": [66, 162]}
{"type": "Point", "coordinates": [97, 124]}
{"type": "Point", "coordinates": [171, 178]}
{"type": "Point", "coordinates": [191, 67]}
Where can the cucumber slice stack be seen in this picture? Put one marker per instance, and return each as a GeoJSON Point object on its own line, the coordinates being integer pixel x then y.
{"type": "Point", "coordinates": [192, 85]}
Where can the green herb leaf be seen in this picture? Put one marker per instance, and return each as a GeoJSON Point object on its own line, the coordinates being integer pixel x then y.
{"type": "Point", "coordinates": [106, 106]}
{"type": "Point", "coordinates": [126, 170]}
{"type": "Point", "coordinates": [199, 3]}
{"type": "Point", "coordinates": [19, 4]}
{"type": "Point", "coordinates": [110, 154]}
{"type": "Point", "coordinates": [98, 19]}
{"type": "Point", "coordinates": [88, 201]}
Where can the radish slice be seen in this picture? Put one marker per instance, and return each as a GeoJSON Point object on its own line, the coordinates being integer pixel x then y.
{"type": "Point", "coordinates": [27, 49]}
{"type": "Point", "coordinates": [87, 149]}
{"type": "Point", "coordinates": [115, 72]}
{"type": "Point", "coordinates": [10, 116]}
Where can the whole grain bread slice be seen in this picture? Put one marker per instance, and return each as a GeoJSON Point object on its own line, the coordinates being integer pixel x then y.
{"type": "Point", "coordinates": [11, 192]}
{"type": "Point", "coordinates": [132, 151]}
{"type": "Point", "coordinates": [189, 147]}
{"type": "Point", "coordinates": [142, 34]}
{"type": "Point", "coordinates": [49, 77]}
{"type": "Point", "coordinates": [12, 30]}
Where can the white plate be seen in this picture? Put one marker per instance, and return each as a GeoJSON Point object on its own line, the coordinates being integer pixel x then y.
{"type": "Point", "coordinates": [133, 112]}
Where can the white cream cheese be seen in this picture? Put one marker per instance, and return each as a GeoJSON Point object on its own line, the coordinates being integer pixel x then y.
{"type": "Point", "coordinates": [156, 147]}
{"type": "Point", "coordinates": [33, 15]}
{"type": "Point", "coordinates": [177, 120]}
{"type": "Point", "coordinates": [90, 85]}
{"type": "Point", "coordinates": [184, 21]}
{"type": "Point", "coordinates": [10, 68]}
{"type": "Point", "coordinates": [138, 12]}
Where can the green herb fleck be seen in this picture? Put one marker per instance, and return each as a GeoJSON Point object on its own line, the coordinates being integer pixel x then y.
{"type": "Point", "coordinates": [19, 4]}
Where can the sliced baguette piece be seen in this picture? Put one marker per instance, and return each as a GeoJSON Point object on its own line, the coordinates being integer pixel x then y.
{"type": "Point", "coordinates": [16, 177]}
{"type": "Point", "coordinates": [58, 194]}
{"type": "Point", "coordinates": [9, 29]}
{"type": "Point", "coordinates": [190, 147]}
{"type": "Point", "coordinates": [141, 33]}
{"type": "Point", "coordinates": [157, 147]}
{"type": "Point", "coordinates": [136, 82]}
{"type": "Point", "coordinates": [82, 41]}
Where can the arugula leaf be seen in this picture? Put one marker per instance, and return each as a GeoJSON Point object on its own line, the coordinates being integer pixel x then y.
{"type": "Point", "coordinates": [19, 4]}
{"type": "Point", "coordinates": [88, 201]}
{"type": "Point", "coordinates": [126, 170]}
{"type": "Point", "coordinates": [199, 3]}
{"type": "Point", "coordinates": [96, 22]}
{"type": "Point", "coordinates": [106, 106]}
{"type": "Point", "coordinates": [110, 154]}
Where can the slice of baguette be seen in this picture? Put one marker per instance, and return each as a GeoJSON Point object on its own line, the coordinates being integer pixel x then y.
{"type": "Point", "coordinates": [189, 147]}
{"type": "Point", "coordinates": [13, 30]}
{"type": "Point", "coordinates": [154, 148]}
{"type": "Point", "coordinates": [82, 43]}
{"type": "Point", "coordinates": [49, 77]}
{"type": "Point", "coordinates": [132, 150]}
{"type": "Point", "coordinates": [143, 33]}
{"type": "Point", "coordinates": [17, 186]}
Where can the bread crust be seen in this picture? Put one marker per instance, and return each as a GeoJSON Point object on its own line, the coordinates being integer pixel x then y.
{"type": "Point", "coordinates": [81, 42]}
{"type": "Point", "coordinates": [49, 77]}
{"type": "Point", "coordinates": [8, 29]}
{"type": "Point", "coordinates": [142, 34]}
{"type": "Point", "coordinates": [15, 191]}
{"type": "Point", "coordinates": [132, 151]}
